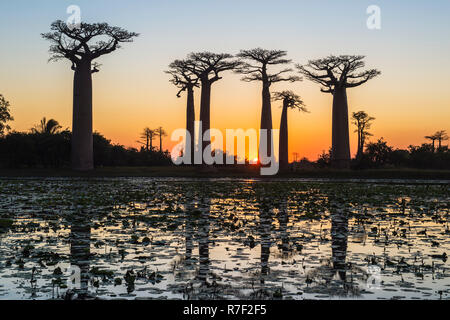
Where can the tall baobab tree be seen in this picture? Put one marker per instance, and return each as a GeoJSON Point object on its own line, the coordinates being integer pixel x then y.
{"type": "Point", "coordinates": [441, 136]}
{"type": "Point", "coordinates": [81, 46]}
{"type": "Point", "coordinates": [186, 81]}
{"type": "Point", "coordinates": [148, 135]}
{"type": "Point", "coordinates": [290, 101]}
{"type": "Point", "coordinates": [336, 74]}
{"type": "Point", "coordinates": [255, 68]}
{"type": "Point", "coordinates": [363, 122]}
{"type": "Point", "coordinates": [5, 115]}
{"type": "Point", "coordinates": [207, 67]}
{"type": "Point", "coordinates": [47, 127]}
{"type": "Point", "coordinates": [161, 133]}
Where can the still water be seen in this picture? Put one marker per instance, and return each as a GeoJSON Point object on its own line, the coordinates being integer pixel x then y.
{"type": "Point", "coordinates": [140, 238]}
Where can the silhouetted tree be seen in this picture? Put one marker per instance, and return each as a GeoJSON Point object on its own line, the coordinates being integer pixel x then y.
{"type": "Point", "coordinates": [207, 66]}
{"type": "Point", "coordinates": [5, 115]}
{"type": "Point", "coordinates": [256, 69]}
{"type": "Point", "coordinates": [47, 127]}
{"type": "Point", "coordinates": [433, 138]}
{"type": "Point", "coordinates": [379, 152]}
{"type": "Point", "coordinates": [82, 46]}
{"type": "Point", "coordinates": [336, 74]}
{"type": "Point", "coordinates": [148, 135]}
{"type": "Point", "coordinates": [363, 122]}
{"type": "Point", "coordinates": [290, 101]}
{"type": "Point", "coordinates": [441, 136]}
{"type": "Point", "coordinates": [161, 133]}
{"type": "Point", "coordinates": [186, 81]}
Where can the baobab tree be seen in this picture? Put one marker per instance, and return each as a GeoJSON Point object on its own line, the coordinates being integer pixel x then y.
{"type": "Point", "coordinates": [185, 80]}
{"type": "Point", "coordinates": [81, 46]}
{"type": "Point", "coordinates": [47, 127]}
{"type": "Point", "coordinates": [161, 133]}
{"type": "Point", "coordinates": [5, 115]}
{"type": "Point", "coordinates": [441, 136]}
{"type": "Point", "coordinates": [336, 74]}
{"type": "Point", "coordinates": [363, 122]}
{"type": "Point", "coordinates": [290, 101]}
{"type": "Point", "coordinates": [148, 135]}
{"type": "Point", "coordinates": [256, 63]}
{"type": "Point", "coordinates": [207, 67]}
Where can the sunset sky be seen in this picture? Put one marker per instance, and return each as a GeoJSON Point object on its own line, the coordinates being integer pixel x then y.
{"type": "Point", "coordinates": [410, 99]}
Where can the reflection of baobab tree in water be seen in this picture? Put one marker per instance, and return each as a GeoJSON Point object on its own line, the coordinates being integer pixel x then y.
{"type": "Point", "coordinates": [203, 243]}
{"type": "Point", "coordinates": [283, 220]}
{"type": "Point", "coordinates": [265, 234]}
{"type": "Point", "coordinates": [336, 277]}
{"type": "Point", "coordinates": [80, 251]}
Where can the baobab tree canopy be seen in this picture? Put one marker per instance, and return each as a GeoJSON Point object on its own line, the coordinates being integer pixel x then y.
{"type": "Point", "coordinates": [89, 41]}
{"type": "Point", "coordinates": [182, 77]}
{"type": "Point", "coordinates": [290, 100]}
{"type": "Point", "coordinates": [257, 68]}
{"type": "Point", "coordinates": [338, 72]}
{"type": "Point", "coordinates": [204, 64]}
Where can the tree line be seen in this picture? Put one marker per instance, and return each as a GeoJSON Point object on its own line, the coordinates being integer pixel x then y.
{"type": "Point", "coordinates": [201, 70]}
{"type": "Point", "coordinates": [48, 145]}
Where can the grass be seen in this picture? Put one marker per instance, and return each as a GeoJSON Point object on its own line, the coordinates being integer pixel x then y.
{"type": "Point", "coordinates": [230, 172]}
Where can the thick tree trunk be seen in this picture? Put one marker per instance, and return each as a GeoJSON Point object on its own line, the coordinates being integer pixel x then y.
{"type": "Point", "coordinates": [205, 113]}
{"type": "Point", "coordinates": [341, 136]}
{"type": "Point", "coordinates": [266, 119]}
{"type": "Point", "coordinates": [82, 140]}
{"type": "Point", "coordinates": [190, 121]}
{"type": "Point", "coordinates": [284, 148]}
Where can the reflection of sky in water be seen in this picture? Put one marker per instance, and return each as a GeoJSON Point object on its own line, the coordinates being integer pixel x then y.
{"type": "Point", "coordinates": [144, 238]}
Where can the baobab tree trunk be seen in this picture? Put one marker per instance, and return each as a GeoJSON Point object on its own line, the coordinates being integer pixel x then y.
{"type": "Point", "coordinates": [284, 152]}
{"type": "Point", "coordinates": [190, 121]}
{"type": "Point", "coordinates": [341, 136]}
{"type": "Point", "coordinates": [205, 114]}
{"type": "Point", "coordinates": [266, 120]}
{"type": "Point", "coordinates": [82, 140]}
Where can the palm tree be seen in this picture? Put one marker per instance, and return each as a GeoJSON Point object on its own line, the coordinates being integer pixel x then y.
{"type": "Point", "coordinates": [363, 122]}
{"type": "Point", "coordinates": [290, 101]}
{"type": "Point", "coordinates": [47, 127]}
